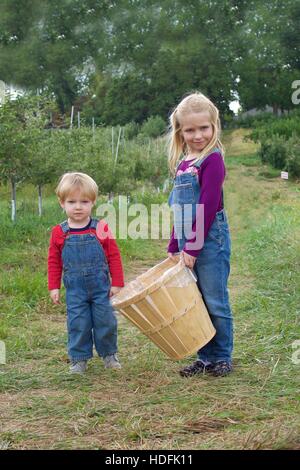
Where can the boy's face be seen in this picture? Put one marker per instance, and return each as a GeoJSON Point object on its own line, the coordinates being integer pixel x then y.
{"type": "Point", "coordinates": [78, 207]}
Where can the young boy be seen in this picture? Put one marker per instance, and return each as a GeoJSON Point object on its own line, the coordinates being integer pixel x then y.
{"type": "Point", "coordinates": [84, 250]}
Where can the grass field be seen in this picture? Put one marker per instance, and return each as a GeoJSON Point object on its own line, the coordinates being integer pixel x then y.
{"type": "Point", "coordinates": [147, 405]}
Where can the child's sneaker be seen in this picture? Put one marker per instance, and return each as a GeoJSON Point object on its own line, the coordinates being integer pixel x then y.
{"type": "Point", "coordinates": [78, 367]}
{"type": "Point", "coordinates": [198, 367]}
{"type": "Point", "coordinates": [112, 362]}
{"type": "Point", "coordinates": [221, 368]}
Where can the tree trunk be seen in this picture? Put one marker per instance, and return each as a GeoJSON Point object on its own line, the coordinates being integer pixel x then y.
{"type": "Point", "coordinates": [60, 102]}
{"type": "Point", "coordinates": [275, 109]}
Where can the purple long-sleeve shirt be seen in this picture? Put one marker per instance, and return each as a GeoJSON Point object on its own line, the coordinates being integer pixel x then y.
{"type": "Point", "coordinates": [211, 175]}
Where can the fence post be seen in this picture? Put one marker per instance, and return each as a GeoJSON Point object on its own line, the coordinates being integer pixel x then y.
{"type": "Point", "coordinates": [40, 204]}
{"type": "Point", "coordinates": [2, 353]}
{"type": "Point", "coordinates": [118, 143]}
{"type": "Point", "coordinates": [13, 200]}
{"type": "Point", "coordinates": [72, 115]}
{"type": "Point", "coordinates": [93, 127]}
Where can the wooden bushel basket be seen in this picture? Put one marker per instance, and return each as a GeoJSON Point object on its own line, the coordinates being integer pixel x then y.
{"type": "Point", "coordinates": [166, 305]}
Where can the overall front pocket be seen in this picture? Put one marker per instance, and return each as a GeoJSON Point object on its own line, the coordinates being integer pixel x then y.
{"type": "Point", "coordinates": [183, 194]}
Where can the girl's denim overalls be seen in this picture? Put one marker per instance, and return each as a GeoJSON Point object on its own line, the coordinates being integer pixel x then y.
{"type": "Point", "coordinates": [90, 316]}
{"type": "Point", "coordinates": [212, 265]}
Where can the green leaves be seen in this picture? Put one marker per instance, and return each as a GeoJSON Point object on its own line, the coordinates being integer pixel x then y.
{"type": "Point", "coordinates": [129, 60]}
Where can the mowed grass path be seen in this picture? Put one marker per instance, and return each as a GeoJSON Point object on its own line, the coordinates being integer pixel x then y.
{"type": "Point", "coordinates": [147, 405]}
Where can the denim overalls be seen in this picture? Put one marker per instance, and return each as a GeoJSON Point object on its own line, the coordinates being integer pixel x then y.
{"type": "Point", "coordinates": [212, 265]}
{"type": "Point", "coordinates": [90, 316]}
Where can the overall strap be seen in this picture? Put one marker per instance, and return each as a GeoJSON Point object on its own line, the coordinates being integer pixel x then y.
{"type": "Point", "coordinates": [65, 226]}
{"type": "Point", "coordinates": [94, 223]}
{"type": "Point", "coordinates": [199, 162]}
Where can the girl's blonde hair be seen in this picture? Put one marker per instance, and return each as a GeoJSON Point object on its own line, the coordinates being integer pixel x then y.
{"type": "Point", "coordinates": [70, 182]}
{"type": "Point", "coordinates": [192, 103]}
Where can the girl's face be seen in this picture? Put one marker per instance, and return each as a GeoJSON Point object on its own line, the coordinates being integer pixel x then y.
{"type": "Point", "coordinates": [78, 208]}
{"type": "Point", "coordinates": [197, 131]}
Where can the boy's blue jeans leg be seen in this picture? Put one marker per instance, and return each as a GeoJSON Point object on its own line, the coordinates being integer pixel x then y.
{"type": "Point", "coordinates": [104, 326]}
{"type": "Point", "coordinates": [79, 322]}
{"type": "Point", "coordinates": [212, 269]}
{"type": "Point", "coordinates": [91, 322]}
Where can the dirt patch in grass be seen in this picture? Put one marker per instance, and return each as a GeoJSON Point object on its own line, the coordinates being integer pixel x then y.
{"type": "Point", "coordinates": [208, 425]}
{"type": "Point", "coordinates": [133, 270]}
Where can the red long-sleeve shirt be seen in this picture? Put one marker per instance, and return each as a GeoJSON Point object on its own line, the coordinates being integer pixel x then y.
{"type": "Point", "coordinates": [109, 245]}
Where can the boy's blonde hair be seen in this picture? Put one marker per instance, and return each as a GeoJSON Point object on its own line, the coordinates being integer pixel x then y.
{"type": "Point", "coordinates": [70, 182]}
{"type": "Point", "coordinates": [192, 103]}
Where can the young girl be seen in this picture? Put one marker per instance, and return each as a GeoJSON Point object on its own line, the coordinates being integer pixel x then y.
{"type": "Point", "coordinates": [199, 176]}
{"type": "Point", "coordinates": [86, 252]}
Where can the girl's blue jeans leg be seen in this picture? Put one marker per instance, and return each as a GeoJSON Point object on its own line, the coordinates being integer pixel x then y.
{"type": "Point", "coordinates": [212, 269]}
{"type": "Point", "coordinates": [79, 322]}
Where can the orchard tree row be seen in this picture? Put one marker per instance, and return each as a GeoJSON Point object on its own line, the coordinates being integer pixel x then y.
{"type": "Point", "coordinates": [32, 152]}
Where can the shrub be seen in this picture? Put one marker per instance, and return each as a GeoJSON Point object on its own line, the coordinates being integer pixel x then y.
{"type": "Point", "coordinates": [155, 126]}
{"type": "Point", "coordinates": [285, 127]}
{"type": "Point", "coordinates": [131, 130]}
{"type": "Point", "coordinates": [256, 121]}
{"type": "Point", "coordinates": [282, 154]}
{"type": "Point", "coordinates": [274, 152]}
{"type": "Point", "coordinates": [293, 158]}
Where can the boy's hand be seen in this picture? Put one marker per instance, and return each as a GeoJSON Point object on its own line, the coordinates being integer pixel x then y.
{"type": "Point", "coordinates": [188, 260]}
{"type": "Point", "coordinates": [114, 290]}
{"type": "Point", "coordinates": [54, 294]}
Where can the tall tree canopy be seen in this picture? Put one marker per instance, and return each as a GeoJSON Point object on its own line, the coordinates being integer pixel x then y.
{"type": "Point", "coordinates": [130, 59]}
{"type": "Point", "coordinates": [264, 67]}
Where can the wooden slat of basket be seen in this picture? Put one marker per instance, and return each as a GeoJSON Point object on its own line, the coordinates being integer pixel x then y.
{"type": "Point", "coordinates": [150, 311]}
{"type": "Point", "coordinates": [171, 320]}
{"type": "Point", "coordinates": [167, 348]}
{"type": "Point", "coordinates": [134, 314]}
{"type": "Point", "coordinates": [169, 335]}
{"type": "Point", "coordinates": [194, 334]}
{"type": "Point", "coordinates": [166, 343]}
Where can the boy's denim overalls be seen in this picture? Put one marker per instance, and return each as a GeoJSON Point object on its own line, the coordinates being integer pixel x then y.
{"type": "Point", "coordinates": [90, 316]}
{"type": "Point", "coordinates": [212, 265]}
